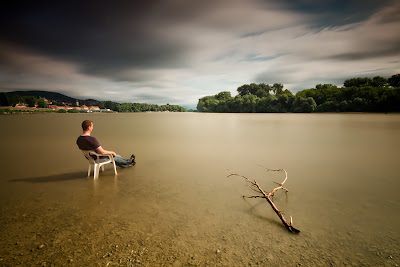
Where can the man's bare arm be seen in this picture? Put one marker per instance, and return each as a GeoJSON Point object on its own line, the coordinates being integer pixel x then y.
{"type": "Point", "coordinates": [102, 151]}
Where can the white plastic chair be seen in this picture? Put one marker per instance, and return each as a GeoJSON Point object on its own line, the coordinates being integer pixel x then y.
{"type": "Point", "coordinates": [97, 163]}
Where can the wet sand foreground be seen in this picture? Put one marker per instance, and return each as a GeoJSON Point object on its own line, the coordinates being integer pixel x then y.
{"type": "Point", "coordinates": [176, 207]}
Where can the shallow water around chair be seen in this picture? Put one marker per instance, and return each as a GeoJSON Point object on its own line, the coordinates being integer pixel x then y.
{"type": "Point", "coordinates": [177, 206]}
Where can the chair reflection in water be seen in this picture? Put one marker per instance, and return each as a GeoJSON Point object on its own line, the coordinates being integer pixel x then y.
{"type": "Point", "coordinates": [98, 162]}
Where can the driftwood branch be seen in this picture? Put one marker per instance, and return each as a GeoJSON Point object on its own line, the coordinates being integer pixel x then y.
{"type": "Point", "coordinates": [256, 187]}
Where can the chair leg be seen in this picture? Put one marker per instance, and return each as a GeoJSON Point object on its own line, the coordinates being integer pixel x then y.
{"type": "Point", "coordinates": [88, 172]}
{"type": "Point", "coordinates": [96, 171]}
{"type": "Point", "coordinates": [115, 168]}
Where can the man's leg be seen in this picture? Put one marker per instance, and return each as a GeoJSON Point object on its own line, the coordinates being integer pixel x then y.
{"type": "Point", "coordinates": [121, 162]}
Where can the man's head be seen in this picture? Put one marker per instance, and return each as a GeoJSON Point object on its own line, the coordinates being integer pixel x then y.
{"type": "Point", "coordinates": [86, 124]}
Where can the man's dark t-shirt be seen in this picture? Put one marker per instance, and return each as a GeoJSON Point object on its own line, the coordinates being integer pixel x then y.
{"type": "Point", "coordinates": [87, 142]}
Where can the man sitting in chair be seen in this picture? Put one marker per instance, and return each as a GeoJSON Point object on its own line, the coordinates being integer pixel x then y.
{"type": "Point", "coordinates": [87, 142]}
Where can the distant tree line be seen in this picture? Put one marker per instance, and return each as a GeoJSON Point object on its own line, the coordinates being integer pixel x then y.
{"type": "Point", "coordinates": [142, 107]}
{"type": "Point", "coordinates": [11, 99]}
{"type": "Point", "coordinates": [357, 94]}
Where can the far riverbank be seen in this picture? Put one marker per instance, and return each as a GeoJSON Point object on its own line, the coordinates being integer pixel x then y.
{"type": "Point", "coordinates": [18, 110]}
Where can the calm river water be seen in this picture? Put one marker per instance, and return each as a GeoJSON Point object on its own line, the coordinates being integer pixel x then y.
{"type": "Point", "coordinates": [177, 207]}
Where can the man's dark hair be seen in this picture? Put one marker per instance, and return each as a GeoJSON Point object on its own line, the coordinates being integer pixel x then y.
{"type": "Point", "coordinates": [86, 124]}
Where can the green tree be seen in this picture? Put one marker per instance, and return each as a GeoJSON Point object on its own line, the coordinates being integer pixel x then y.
{"type": "Point", "coordinates": [285, 101]}
{"type": "Point", "coordinates": [389, 100]}
{"type": "Point", "coordinates": [41, 103]}
{"type": "Point", "coordinates": [244, 90]}
{"type": "Point", "coordinates": [275, 105]}
{"type": "Point", "coordinates": [379, 81]}
{"type": "Point", "coordinates": [15, 99]}
{"type": "Point", "coordinates": [249, 103]}
{"type": "Point", "coordinates": [259, 90]}
{"type": "Point", "coordinates": [110, 105]}
{"type": "Point", "coordinates": [304, 105]}
{"type": "Point", "coordinates": [263, 105]}
{"type": "Point", "coordinates": [202, 105]}
{"type": "Point", "coordinates": [287, 92]}
{"type": "Point", "coordinates": [357, 82]}
{"type": "Point", "coordinates": [325, 86]}
{"type": "Point", "coordinates": [223, 96]}
{"type": "Point", "coordinates": [328, 106]}
{"type": "Point", "coordinates": [394, 80]}
{"type": "Point", "coordinates": [57, 103]}
{"type": "Point", "coordinates": [30, 101]}
{"type": "Point", "coordinates": [344, 106]}
{"type": "Point", "coordinates": [101, 105]}
{"type": "Point", "coordinates": [263, 90]}
{"type": "Point", "coordinates": [359, 104]}
{"type": "Point", "coordinates": [277, 88]}
{"type": "Point", "coordinates": [4, 99]}
{"type": "Point", "coordinates": [247, 89]}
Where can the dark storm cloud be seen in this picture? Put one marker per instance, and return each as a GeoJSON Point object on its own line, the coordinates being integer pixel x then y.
{"type": "Point", "coordinates": [379, 38]}
{"type": "Point", "coordinates": [106, 38]}
{"type": "Point", "coordinates": [327, 13]}
{"type": "Point", "coordinates": [103, 37]}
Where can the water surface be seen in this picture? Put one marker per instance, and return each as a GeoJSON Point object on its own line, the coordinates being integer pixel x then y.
{"type": "Point", "coordinates": [177, 207]}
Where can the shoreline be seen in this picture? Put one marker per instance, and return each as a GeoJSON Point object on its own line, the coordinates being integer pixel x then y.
{"type": "Point", "coordinates": [31, 110]}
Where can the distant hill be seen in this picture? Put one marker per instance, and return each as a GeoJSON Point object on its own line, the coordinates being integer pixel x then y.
{"type": "Point", "coordinates": [55, 97]}
{"type": "Point", "coordinates": [46, 94]}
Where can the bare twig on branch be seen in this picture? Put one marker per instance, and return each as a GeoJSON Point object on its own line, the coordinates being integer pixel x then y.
{"type": "Point", "coordinates": [257, 188]}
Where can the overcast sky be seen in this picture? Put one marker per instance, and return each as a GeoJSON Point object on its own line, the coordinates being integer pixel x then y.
{"type": "Point", "coordinates": [177, 51]}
